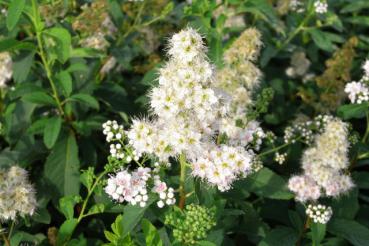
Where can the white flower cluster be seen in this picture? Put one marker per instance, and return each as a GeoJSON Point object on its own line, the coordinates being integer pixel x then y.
{"type": "Point", "coordinates": [280, 158]}
{"type": "Point", "coordinates": [305, 128]}
{"type": "Point", "coordinates": [17, 195]}
{"type": "Point", "coordinates": [113, 131]}
{"type": "Point", "coordinates": [319, 213]}
{"type": "Point", "coordinates": [6, 68]}
{"type": "Point", "coordinates": [188, 112]}
{"type": "Point", "coordinates": [222, 166]}
{"type": "Point", "coordinates": [238, 79]}
{"type": "Point", "coordinates": [321, 6]}
{"type": "Point", "coordinates": [358, 92]}
{"type": "Point", "coordinates": [166, 195]}
{"type": "Point", "coordinates": [132, 187]}
{"type": "Point", "coordinates": [323, 165]}
{"type": "Point", "coordinates": [297, 6]}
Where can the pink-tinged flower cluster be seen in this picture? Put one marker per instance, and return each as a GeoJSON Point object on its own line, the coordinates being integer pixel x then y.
{"type": "Point", "coordinates": [324, 164]}
{"type": "Point", "coordinates": [135, 187]}
{"type": "Point", "coordinates": [222, 166]}
{"type": "Point", "coordinates": [358, 92]}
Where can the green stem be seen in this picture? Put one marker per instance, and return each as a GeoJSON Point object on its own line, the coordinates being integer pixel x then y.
{"type": "Point", "coordinates": [38, 29]}
{"type": "Point", "coordinates": [300, 27]}
{"type": "Point", "coordinates": [182, 180]}
{"type": "Point", "coordinates": [365, 138]}
{"type": "Point", "coordinates": [90, 192]}
{"type": "Point", "coordinates": [276, 149]}
{"type": "Point", "coordinates": [5, 238]}
{"type": "Point", "coordinates": [11, 229]}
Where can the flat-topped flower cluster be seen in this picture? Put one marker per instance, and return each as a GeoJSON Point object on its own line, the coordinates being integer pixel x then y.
{"type": "Point", "coordinates": [17, 195]}
{"type": "Point", "coordinates": [358, 92]}
{"type": "Point", "coordinates": [324, 164]}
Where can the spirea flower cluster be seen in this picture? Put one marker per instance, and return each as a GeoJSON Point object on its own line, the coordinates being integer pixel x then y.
{"type": "Point", "coordinates": [6, 68]}
{"type": "Point", "coordinates": [192, 224]}
{"type": "Point", "coordinates": [324, 164]}
{"type": "Point", "coordinates": [321, 6]}
{"type": "Point", "coordinates": [134, 187]}
{"type": "Point", "coordinates": [319, 213]}
{"type": "Point", "coordinates": [358, 92]}
{"type": "Point", "coordinates": [187, 112]}
{"type": "Point", "coordinates": [238, 79]}
{"type": "Point", "coordinates": [17, 195]}
{"type": "Point", "coordinates": [303, 128]}
{"type": "Point", "coordinates": [222, 166]}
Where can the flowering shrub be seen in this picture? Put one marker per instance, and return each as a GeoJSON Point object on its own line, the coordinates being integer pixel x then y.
{"type": "Point", "coordinates": [202, 122]}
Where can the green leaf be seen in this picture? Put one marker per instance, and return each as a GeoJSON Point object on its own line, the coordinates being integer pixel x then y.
{"type": "Point", "coordinates": [66, 205]}
{"type": "Point", "coordinates": [14, 13]}
{"type": "Point", "coordinates": [359, 20]}
{"type": "Point", "coordinates": [96, 209]}
{"type": "Point", "coordinates": [318, 233]}
{"type": "Point", "coordinates": [42, 216]}
{"type": "Point", "coordinates": [13, 45]}
{"type": "Point", "coordinates": [352, 111]}
{"type": "Point", "coordinates": [64, 42]}
{"type": "Point", "coordinates": [350, 230]}
{"type": "Point", "coordinates": [62, 166]}
{"type": "Point", "coordinates": [86, 99]}
{"type": "Point", "coordinates": [38, 126]}
{"type": "Point", "coordinates": [152, 236]}
{"type": "Point", "coordinates": [65, 81]}
{"type": "Point", "coordinates": [355, 6]}
{"type": "Point", "coordinates": [65, 232]}
{"type": "Point", "coordinates": [321, 40]}
{"type": "Point", "coordinates": [39, 97]}
{"type": "Point", "coordinates": [51, 131]}
{"type": "Point", "coordinates": [268, 184]}
{"type": "Point", "coordinates": [131, 216]}
{"type": "Point", "coordinates": [22, 67]}
{"type": "Point", "coordinates": [205, 243]}
{"type": "Point", "coordinates": [280, 236]}
{"type": "Point", "coordinates": [361, 179]}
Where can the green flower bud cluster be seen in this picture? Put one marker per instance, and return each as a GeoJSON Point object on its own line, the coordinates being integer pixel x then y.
{"type": "Point", "coordinates": [191, 224]}
{"type": "Point", "coordinates": [261, 103]}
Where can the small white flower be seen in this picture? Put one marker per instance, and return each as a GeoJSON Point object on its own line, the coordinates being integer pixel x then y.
{"type": "Point", "coordinates": [321, 6]}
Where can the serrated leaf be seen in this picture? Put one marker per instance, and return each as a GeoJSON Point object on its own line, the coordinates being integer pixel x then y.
{"type": "Point", "coordinates": [350, 230]}
{"type": "Point", "coordinates": [65, 80]}
{"type": "Point", "coordinates": [86, 99]}
{"type": "Point", "coordinates": [66, 205]}
{"type": "Point", "coordinates": [318, 232]}
{"type": "Point", "coordinates": [321, 40]}
{"type": "Point", "coordinates": [10, 44]}
{"type": "Point", "coordinates": [62, 166]}
{"type": "Point", "coordinates": [39, 97]}
{"type": "Point", "coordinates": [51, 131]}
{"type": "Point", "coordinates": [63, 40]}
{"type": "Point", "coordinates": [14, 13]}
{"type": "Point", "coordinates": [65, 232]}
{"type": "Point", "coordinates": [268, 184]}
{"type": "Point", "coordinates": [152, 236]}
{"type": "Point", "coordinates": [352, 111]}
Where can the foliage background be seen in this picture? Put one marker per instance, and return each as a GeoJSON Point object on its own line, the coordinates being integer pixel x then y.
{"type": "Point", "coordinates": [55, 140]}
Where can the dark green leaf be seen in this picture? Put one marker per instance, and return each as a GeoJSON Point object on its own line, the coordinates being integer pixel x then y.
{"type": "Point", "coordinates": [350, 111]}
{"type": "Point", "coordinates": [318, 233]}
{"type": "Point", "coordinates": [86, 99]}
{"type": "Point", "coordinates": [266, 183]}
{"type": "Point", "coordinates": [350, 230]}
{"type": "Point", "coordinates": [51, 131]}
{"type": "Point", "coordinates": [62, 166]}
{"type": "Point", "coordinates": [12, 45]}
{"type": "Point", "coordinates": [14, 13]}
{"type": "Point", "coordinates": [66, 83]}
{"type": "Point", "coordinates": [39, 97]}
